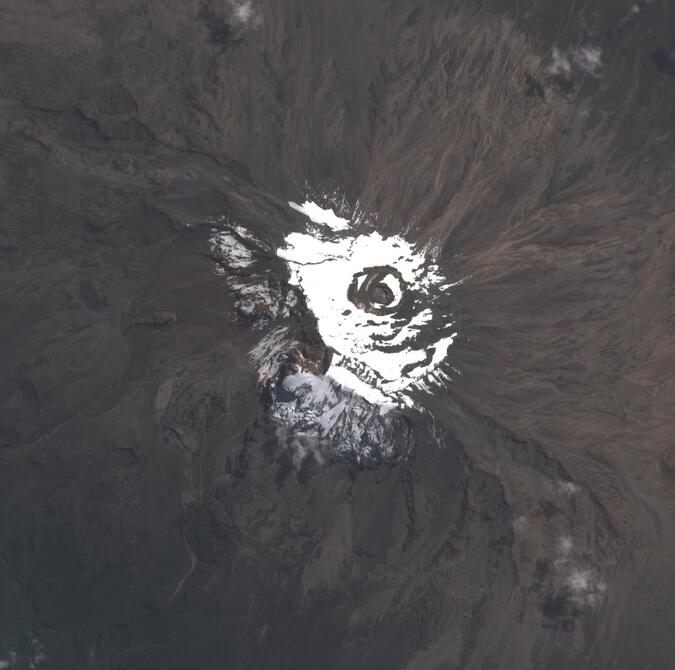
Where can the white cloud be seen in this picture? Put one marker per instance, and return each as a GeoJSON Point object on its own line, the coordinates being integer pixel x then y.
{"type": "Point", "coordinates": [583, 584]}
{"type": "Point", "coordinates": [567, 488]}
{"type": "Point", "coordinates": [561, 487]}
{"type": "Point", "coordinates": [587, 59]}
{"type": "Point", "coordinates": [520, 524]}
{"type": "Point", "coordinates": [244, 13]}
{"type": "Point", "coordinates": [561, 64]}
{"type": "Point", "coordinates": [565, 546]}
{"type": "Point", "coordinates": [301, 444]}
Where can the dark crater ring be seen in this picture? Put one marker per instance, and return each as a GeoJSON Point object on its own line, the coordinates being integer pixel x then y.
{"type": "Point", "coordinates": [370, 292]}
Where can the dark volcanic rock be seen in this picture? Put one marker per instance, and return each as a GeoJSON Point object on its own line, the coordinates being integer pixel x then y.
{"type": "Point", "coordinates": [152, 517]}
{"type": "Point", "coordinates": [155, 319]}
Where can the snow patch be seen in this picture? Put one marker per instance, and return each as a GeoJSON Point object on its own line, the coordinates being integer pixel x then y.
{"type": "Point", "coordinates": [381, 356]}
{"type": "Point", "coordinates": [268, 354]}
{"type": "Point", "coordinates": [318, 214]}
{"type": "Point", "coordinates": [231, 250]}
{"type": "Point", "coordinates": [317, 416]}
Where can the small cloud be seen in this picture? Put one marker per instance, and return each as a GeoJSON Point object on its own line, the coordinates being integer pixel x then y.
{"type": "Point", "coordinates": [302, 445]}
{"type": "Point", "coordinates": [565, 546]}
{"type": "Point", "coordinates": [520, 524]}
{"type": "Point", "coordinates": [585, 586]}
{"type": "Point", "coordinates": [579, 580]}
{"type": "Point", "coordinates": [561, 487]}
{"type": "Point", "coordinates": [244, 13]}
{"type": "Point", "coordinates": [587, 59]}
{"type": "Point", "coordinates": [567, 488]}
{"type": "Point", "coordinates": [561, 64]}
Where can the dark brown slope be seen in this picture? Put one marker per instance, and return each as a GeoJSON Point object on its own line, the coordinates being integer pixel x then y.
{"type": "Point", "coordinates": [149, 518]}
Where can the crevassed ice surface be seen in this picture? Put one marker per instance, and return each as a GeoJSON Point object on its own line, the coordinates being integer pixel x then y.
{"type": "Point", "coordinates": [316, 415]}
{"type": "Point", "coordinates": [379, 356]}
{"type": "Point", "coordinates": [231, 249]}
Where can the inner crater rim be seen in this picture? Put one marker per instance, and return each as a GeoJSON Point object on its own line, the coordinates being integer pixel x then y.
{"type": "Point", "coordinates": [377, 290]}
